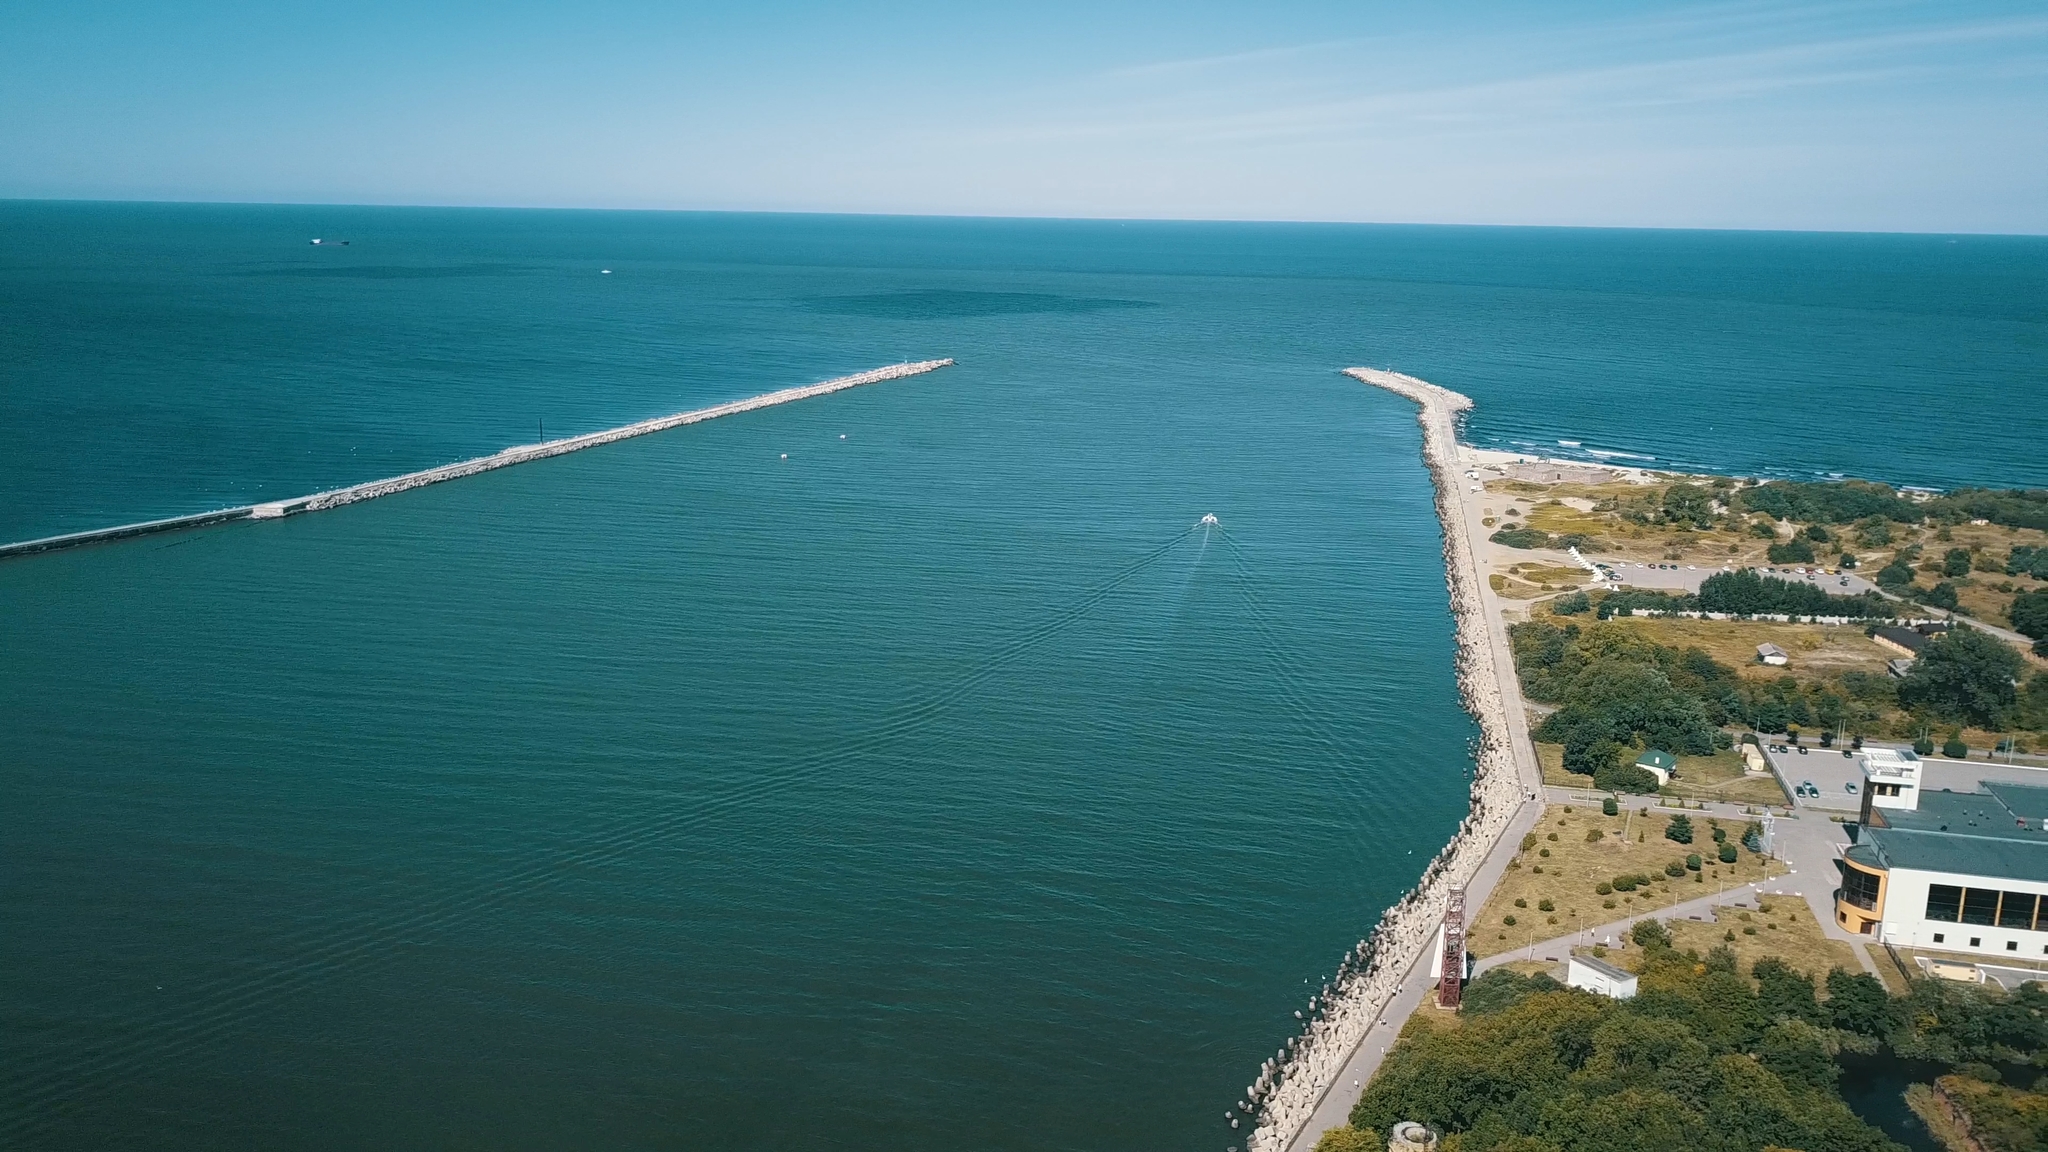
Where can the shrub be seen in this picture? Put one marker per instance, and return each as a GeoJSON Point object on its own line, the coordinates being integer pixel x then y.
{"type": "Point", "coordinates": [1675, 869]}
{"type": "Point", "coordinates": [1692, 861]}
{"type": "Point", "coordinates": [1543, 852]}
{"type": "Point", "coordinates": [1603, 888]}
{"type": "Point", "coordinates": [1546, 906]}
{"type": "Point", "coordinates": [1572, 605]}
{"type": "Point", "coordinates": [1895, 575]}
{"type": "Point", "coordinates": [1955, 749]}
{"type": "Point", "coordinates": [1679, 829]}
{"type": "Point", "coordinates": [1626, 883]}
{"type": "Point", "coordinates": [1791, 552]}
{"type": "Point", "coordinates": [1650, 934]}
{"type": "Point", "coordinates": [1956, 562]}
{"type": "Point", "coordinates": [1609, 808]}
{"type": "Point", "coordinates": [1727, 853]}
{"type": "Point", "coordinates": [1508, 920]}
{"type": "Point", "coordinates": [1816, 533]}
{"type": "Point", "coordinates": [1720, 834]}
{"type": "Point", "coordinates": [1528, 841]}
{"type": "Point", "coordinates": [1923, 746]}
{"type": "Point", "coordinates": [1521, 538]}
{"type": "Point", "coordinates": [1553, 837]}
{"type": "Point", "coordinates": [1520, 902]}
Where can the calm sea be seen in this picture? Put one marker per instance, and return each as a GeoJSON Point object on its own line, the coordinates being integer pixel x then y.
{"type": "Point", "coordinates": [939, 786]}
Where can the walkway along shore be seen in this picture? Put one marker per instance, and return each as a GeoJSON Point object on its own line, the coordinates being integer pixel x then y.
{"type": "Point", "coordinates": [1294, 1087]}
{"type": "Point", "coordinates": [519, 454]}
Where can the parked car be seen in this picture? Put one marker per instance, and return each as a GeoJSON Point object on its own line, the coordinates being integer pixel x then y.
{"type": "Point", "coordinates": [1849, 787]}
{"type": "Point", "coordinates": [1802, 749]}
{"type": "Point", "coordinates": [1807, 788]}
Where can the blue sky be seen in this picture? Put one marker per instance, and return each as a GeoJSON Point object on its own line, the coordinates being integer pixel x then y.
{"type": "Point", "coordinates": [1883, 116]}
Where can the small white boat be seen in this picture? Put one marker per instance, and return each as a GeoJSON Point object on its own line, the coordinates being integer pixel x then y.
{"type": "Point", "coordinates": [1209, 519]}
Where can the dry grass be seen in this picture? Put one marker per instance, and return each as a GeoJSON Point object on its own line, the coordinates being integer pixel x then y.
{"type": "Point", "coordinates": [1561, 574]}
{"type": "Point", "coordinates": [1574, 866]}
{"type": "Point", "coordinates": [1815, 649]}
{"type": "Point", "coordinates": [1785, 929]}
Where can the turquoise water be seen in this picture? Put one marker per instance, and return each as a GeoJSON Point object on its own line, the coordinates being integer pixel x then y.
{"type": "Point", "coordinates": [940, 786]}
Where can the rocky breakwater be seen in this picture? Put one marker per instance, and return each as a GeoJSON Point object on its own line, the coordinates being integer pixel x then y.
{"type": "Point", "coordinates": [1291, 1084]}
{"type": "Point", "coordinates": [519, 454]}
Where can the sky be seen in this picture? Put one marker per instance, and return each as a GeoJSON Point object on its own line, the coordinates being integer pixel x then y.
{"type": "Point", "coordinates": [1889, 116]}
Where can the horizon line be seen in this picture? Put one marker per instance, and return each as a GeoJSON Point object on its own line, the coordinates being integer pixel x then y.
{"type": "Point", "coordinates": [1021, 217]}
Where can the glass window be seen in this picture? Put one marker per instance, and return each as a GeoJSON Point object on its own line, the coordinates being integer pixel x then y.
{"type": "Point", "coordinates": [1938, 938]}
{"type": "Point", "coordinates": [1860, 888]}
{"type": "Point", "coordinates": [1980, 905]}
{"type": "Point", "coordinates": [1944, 902]}
{"type": "Point", "coordinates": [2016, 910]}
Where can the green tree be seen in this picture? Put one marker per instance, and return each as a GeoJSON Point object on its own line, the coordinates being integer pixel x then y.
{"type": "Point", "coordinates": [1895, 575]}
{"type": "Point", "coordinates": [1679, 828]}
{"type": "Point", "coordinates": [1965, 674]}
{"type": "Point", "coordinates": [1793, 551]}
{"type": "Point", "coordinates": [1942, 595]}
{"type": "Point", "coordinates": [1858, 1003]}
{"type": "Point", "coordinates": [2029, 613]}
{"type": "Point", "coordinates": [1689, 504]}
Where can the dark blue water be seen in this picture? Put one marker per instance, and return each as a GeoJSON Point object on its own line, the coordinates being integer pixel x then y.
{"type": "Point", "coordinates": [939, 786]}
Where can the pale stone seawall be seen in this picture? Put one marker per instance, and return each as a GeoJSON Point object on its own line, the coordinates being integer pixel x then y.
{"type": "Point", "coordinates": [1289, 1087]}
{"type": "Point", "coordinates": [519, 454]}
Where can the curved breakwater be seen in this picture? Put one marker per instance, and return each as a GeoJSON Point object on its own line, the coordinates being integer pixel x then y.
{"type": "Point", "coordinates": [518, 454]}
{"type": "Point", "coordinates": [1291, 1084]}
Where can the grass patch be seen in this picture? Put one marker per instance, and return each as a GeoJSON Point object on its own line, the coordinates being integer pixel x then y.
{"type": "Point", "coordinates": [1718, 777]}
{"type": "Point", "coordinates": [1575, 865]}
{"type": "Point", "coordinates": [1787, 931]}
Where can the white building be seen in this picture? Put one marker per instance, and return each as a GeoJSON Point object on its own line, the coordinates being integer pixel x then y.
{"type": "Point", "coordinates": [1891, 780]}
{"type": "Point", "coordinates": [1599, 977]}
{"type": "Point", "coordinates": [1948, 871]}
{"type": "Point", "coordinates": [1773, 655]}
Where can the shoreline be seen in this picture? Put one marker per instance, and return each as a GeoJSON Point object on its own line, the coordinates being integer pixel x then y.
{"type": "Point", "coordinates": [1292, 1097]}
{"type": "Point", "coordinates": [505, 458]}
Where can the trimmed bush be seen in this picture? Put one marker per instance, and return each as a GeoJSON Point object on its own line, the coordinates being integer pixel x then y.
{"type": "Point", "coordinates": [1727, 853]}
{"type": "Point", "coordinates": [1955, 749]}
{"type": "Point", "coordinates": [1594, 835]}
{"type": "Point", "coordinates": [1679, 829]}
{"type": "Point", "coordinates": [1675, 869]}
{"type": "Point", "coordinates": [1692, 862]}
{"type": "Point", "coordinates": [1603, 888]}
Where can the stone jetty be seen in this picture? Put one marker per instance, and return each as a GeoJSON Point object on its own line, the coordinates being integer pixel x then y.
{"type": "Point", "coordinates": [519, 454]}
{"type": "Point", "coordinates": [1288, 1088]}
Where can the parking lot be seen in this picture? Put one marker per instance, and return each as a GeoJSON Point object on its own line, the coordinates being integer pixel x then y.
{"type": "Point", "coordinates": [1831, 772]}
{"type": "Point", "coordinates": [1673, 577]}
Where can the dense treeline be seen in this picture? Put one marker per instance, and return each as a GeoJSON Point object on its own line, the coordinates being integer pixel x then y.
{"type": "Point", "coordinates": [1702, 1057]}
{"type": "Point", "coordinates": [1750, 593]}
{"type": "Point", "coordinates": [1618, 693]}
{"type": "Point", "coordinates": [1848, 501]}
{"type": "Point", "coordinates": [2014, 508]}
{"type": "Point", "coordinates": [1838, 502]}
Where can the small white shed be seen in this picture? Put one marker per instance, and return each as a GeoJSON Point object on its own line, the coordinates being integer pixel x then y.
{"type": "Point", "coordinates": [1772, 654]}
{"type": "Point", "coordinates": [1600, 977]}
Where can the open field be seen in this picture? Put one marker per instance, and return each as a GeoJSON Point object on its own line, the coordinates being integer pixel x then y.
{"type": "Point", "coordinates": [1816, 650]}
{"type": "Point", "coordinates": [1628, 843]}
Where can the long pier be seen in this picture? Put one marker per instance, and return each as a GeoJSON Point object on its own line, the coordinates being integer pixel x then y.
{"type": "Point", "coordinates": [518, 454]}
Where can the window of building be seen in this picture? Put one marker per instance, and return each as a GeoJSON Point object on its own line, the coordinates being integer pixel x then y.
{"type": "Point", "coordinates": [1944, 902]}
{"type": "Point", "coordinates": [1938, 938]}
{"type": "Point", "coordinates": [2012, 945]}
{"type": "Point", "coordinates": [1859, 888]}
{"type": "Point", "coordinates": [1980, 905]}
{"type": "Point", "coordinates": [1976, 941]}
{"type": "Point", "coordinates": [2016, 910]}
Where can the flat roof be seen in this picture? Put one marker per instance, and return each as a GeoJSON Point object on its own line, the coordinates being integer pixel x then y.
{"type": "Point", "coordinates": [1992, 857]}
{"type": "Point", "coordinates": [1604, 968]}
{"type": "Point", "coordinates": [2026, 801]}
